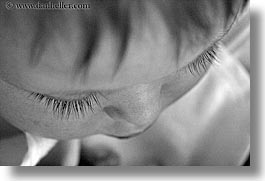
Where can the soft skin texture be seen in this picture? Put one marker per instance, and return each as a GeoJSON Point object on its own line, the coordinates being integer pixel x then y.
{"type": "Point", "coordinates": [151, 77]}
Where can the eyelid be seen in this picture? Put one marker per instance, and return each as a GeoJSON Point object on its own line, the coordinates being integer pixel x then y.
{"type": "Point", "coordinates": [64, 108]}
{"type": "Point", "coordinates": [201, 62]}
{"type": "Point", "coordinates": [65, 96]}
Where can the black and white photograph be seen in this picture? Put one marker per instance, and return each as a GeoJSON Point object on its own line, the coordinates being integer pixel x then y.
{"type": "Point", "coordinates": [125, 83]}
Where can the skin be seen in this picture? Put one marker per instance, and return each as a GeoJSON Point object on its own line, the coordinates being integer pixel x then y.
{"type": "Point", "coordinates": [151, 77]}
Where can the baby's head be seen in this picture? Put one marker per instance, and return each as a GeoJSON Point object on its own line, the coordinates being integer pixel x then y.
{"type": "Point", "coordinates": [110, 69]}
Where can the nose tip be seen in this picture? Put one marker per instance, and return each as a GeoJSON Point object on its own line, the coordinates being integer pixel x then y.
{"type": "Point", "coordinates": [125, 125]}
{"type": "Point", "coordinates": [140, 117]}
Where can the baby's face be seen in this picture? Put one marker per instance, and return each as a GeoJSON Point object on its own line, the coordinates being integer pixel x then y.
{"type": "Point", "coordinates": [52, 99]}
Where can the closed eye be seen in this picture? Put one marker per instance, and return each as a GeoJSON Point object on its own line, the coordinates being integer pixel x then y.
{"type": "Point", "coordinates": [63, 108]}
{"type": "Point", "coordinates": [204, 60]}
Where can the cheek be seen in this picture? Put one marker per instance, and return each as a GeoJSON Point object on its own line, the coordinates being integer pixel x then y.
{"type": "Point", "coordinates": [177, 85]}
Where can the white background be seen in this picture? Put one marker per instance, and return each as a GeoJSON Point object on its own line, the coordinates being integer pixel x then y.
{"type": "Point", "coordinates": [255, 172]}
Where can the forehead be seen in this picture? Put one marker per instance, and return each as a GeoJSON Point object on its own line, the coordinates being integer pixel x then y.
{"type": "Point", "coordinates": [156, 46]}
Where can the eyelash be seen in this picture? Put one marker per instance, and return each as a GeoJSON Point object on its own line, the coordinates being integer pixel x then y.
{"type": "Point", "coordinates": [209, 56]}
{"type": "Point", "coordinates": [65, 108]}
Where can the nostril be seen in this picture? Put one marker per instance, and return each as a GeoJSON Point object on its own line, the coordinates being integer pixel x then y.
{"type": "Point", "coordinates": [114, 112]}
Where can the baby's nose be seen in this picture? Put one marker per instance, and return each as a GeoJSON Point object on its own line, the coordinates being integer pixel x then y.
{"type": "Point", "coordinates": [139, 106]}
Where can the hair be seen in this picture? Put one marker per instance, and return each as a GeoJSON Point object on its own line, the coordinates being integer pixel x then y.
{"type": "Point", "coordinates": [119, 14]}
